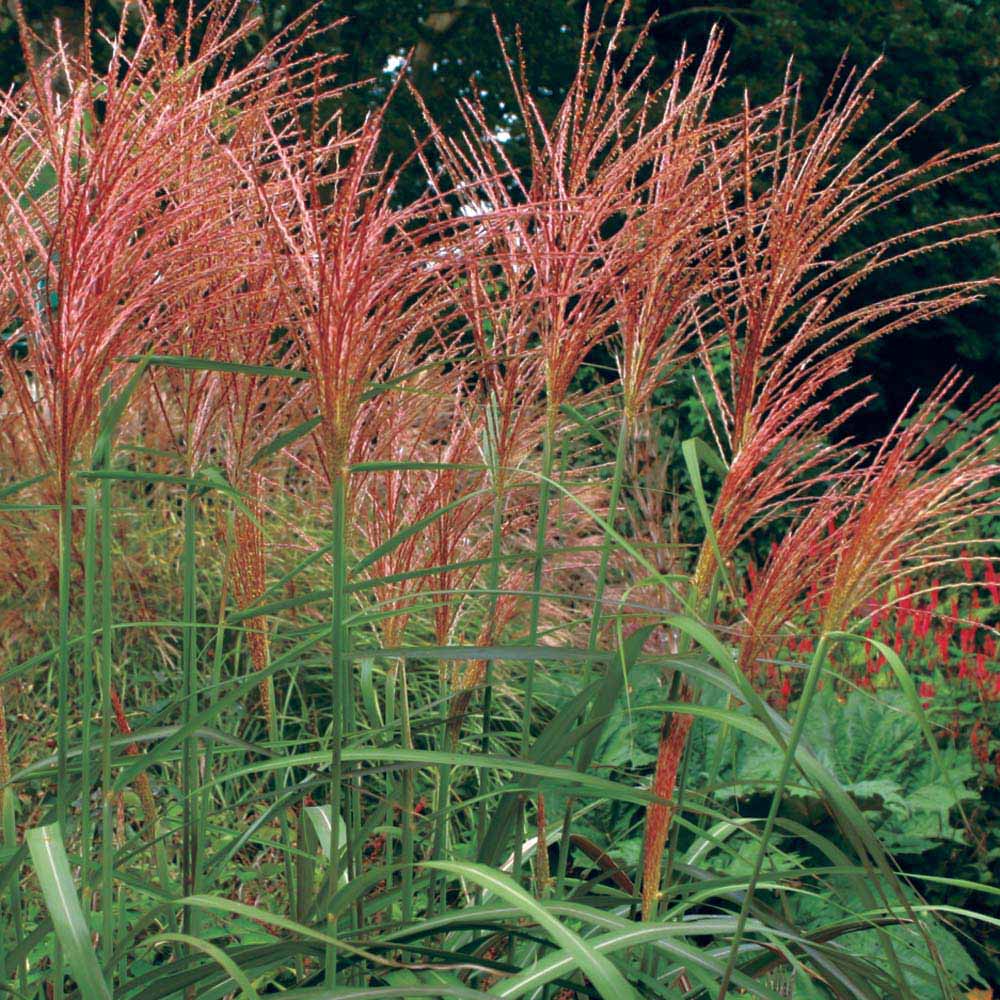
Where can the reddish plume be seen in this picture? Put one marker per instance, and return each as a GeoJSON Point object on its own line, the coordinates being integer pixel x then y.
{"type": "Point", "coordinates": [360, 276]}
{"type": "Point", "coordinates": [665, 270]}
{"type": "Point", "coordinates": [112, 207]}
{"type": "Point", "coordinates": [797, 572]}
{"type": "Point", "coordinates": [783, 294]}
{"type": "Point", "coordinates": [926, 481]}
{"type": "Point", "coordinates": [552, 226]}
{"type": "Point", "coordinates": [673, 738]}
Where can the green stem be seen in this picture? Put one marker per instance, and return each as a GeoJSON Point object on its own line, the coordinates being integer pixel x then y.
{"type": "Point", "coordinates": [62, 711]}
{"type": "Point", "coordinates": [438, 881]}
{"type": "Point", "coordinates": [104, 682]}
{"type": "Point", "coordinates": [407, 805]}
{"type": "Point", "coordinates": [8, 809]}
{"type": "Point", "coordinates": [192, 832]}
{"type": "Point", "coordinates": [62, 683]}
{"type": "Point", "coordinates": [564, 844]}
{"type": "Point", "coordinates": [211, 694]}
{"type": "Point", "coordinates": [281, 782]}
{"type": "Point", "coordinates": [606, 546]}
{"type": "Point", "coordinates": [442, 793]}
{"type": "Point", "coordinates": [355, 840]}
{"type": "Point", "coordinates": [392, 797]}
{"type": "Point", "coordinates": [87, 696]}
{"type": "Point", "coordinates": [597, 614]}
{"type": "Point", "coordinates": [538, 570]}
{"type": "Point", "coordinates": [492, 588]}
{"type": "Point", "coordinates": [339, 685]}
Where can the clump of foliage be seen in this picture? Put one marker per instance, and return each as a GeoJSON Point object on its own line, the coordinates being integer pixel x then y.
{"type": "Point", "coordinates": [384, 659]}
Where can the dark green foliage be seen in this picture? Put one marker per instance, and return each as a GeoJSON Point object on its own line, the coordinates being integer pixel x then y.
{"type": "Point", "coordinates": [877, 751]}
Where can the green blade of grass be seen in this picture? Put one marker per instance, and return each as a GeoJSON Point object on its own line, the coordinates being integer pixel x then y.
{"type": "Point", "coordinates": [51, 865]}
{"type": "Point", "coordinates": [606, 978]}
{"type": "Point", "coordinates": [217, 955]}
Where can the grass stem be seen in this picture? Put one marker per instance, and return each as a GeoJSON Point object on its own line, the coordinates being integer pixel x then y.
{"type": "Point", "coordinates": [805, 702]}
{"type": "Point", "coordinates": [191, 846]}
{"type": "Point", "coordinates": [87, 666]}
{"type": "Point", "coordinates": [339, 688]}
{"type": "Point", "coordinates": [493, 597]}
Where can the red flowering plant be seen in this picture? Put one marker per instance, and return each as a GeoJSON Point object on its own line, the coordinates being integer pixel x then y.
{"type": "Point", "coordinates": [946, 628]}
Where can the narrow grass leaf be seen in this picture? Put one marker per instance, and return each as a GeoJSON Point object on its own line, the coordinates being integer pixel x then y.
{"type": "Point", "coordinates": [605, 977]}
{"type": "Point", "coordinates": [48, 856]}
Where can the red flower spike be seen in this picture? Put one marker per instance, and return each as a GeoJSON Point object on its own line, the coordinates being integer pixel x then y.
{"type": "Point", "coordinates": [992, 582]}
{"type": "Point", "coordinates": [966, 565]}
{"type": "Point", "coordinates": [673, 737]}
{"type": "Point", "coordinates": [981, 671]}
{"type": "Point", "coordinates": [926, 689]}
{"type": "Point", "coordinates": [967, 638]}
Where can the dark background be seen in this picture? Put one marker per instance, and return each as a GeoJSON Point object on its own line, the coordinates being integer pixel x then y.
{"type": "Point", "coordinates": [932, 49]}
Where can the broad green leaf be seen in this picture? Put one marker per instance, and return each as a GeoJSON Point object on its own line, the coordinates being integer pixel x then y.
{"type": "Point", "coordinates": [319, 816]}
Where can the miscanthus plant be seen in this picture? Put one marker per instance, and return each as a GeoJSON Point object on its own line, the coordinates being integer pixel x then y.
{"type": "Point", "coordinates": [327, 586]}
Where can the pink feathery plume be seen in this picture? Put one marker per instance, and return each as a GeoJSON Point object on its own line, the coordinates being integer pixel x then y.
{"type": "Point", "coordinates": [669, 223]}
{"type": "Point", "coordinates": [931, 476]}
{"type": "Point", "coordinates": [360, 275]}
{"type": "Point", "coordinates": [113, 206]}
{"type": "Point", "coordinates": [549, 230]}
{"type": "Point", "coordinates": [783, 296]}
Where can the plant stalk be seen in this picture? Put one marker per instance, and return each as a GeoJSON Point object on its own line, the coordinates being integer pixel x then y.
{"type": "Point", "coordinates": [339, 688]}
{"type": "Point", "coordinates": [598, 611]}
{"type": "Point", "coordinates": [107, 710]}
{"type": "Point", "coordinates": [537, 574]}
{"type": "Point", "coordinates": [87, 694]}
{"type": "Point", "coordinates": [192, 799]}
{"type": "Point", "coordinates": [62, 682]}
{"type": "Point", "coordinates": [492, 588]}
{"type": "Point", "coordinates": [609, 529]}
{"type": "Point", "coordinates": [408, 803]}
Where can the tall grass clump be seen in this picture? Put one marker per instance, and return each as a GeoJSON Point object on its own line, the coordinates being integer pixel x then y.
{"type": "Point", "coordinates": [367, 633]}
